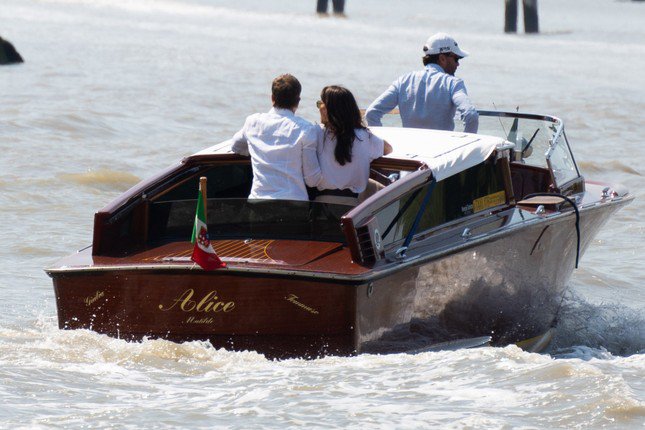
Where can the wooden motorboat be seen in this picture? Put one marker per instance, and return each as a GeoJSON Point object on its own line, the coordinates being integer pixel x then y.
{"type": "Point", "coordinates": [469, 236]}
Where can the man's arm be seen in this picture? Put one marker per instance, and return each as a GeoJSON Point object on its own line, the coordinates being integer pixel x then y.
{"type": "Point", "coordinates": [310, 165]}
{"type": "Point", "coordinates": [240, 143]}
{"type": "Point", "coordinates": [387, 148]}
{"type": "Point", "coordinates": [382, 105]}
{"type": "Point", "coordinates": [467, 111]}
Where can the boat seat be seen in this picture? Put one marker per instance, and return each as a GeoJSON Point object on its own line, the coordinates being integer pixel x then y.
{"type": "Point", "coordinates": [529, 179]}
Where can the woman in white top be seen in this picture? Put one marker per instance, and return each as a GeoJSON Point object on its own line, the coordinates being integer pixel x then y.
{"type": "Point", "coordinates": [345, 147]}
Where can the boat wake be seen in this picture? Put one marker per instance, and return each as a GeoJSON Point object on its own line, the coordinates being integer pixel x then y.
{"type": "Point", "coordinates": [587, 330]}
{"type": "Point", "coordinates": [584, 331]}
{"type": "Point", "coordinates": [43, 345]}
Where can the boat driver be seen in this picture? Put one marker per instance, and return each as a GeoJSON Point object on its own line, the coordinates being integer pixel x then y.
{"type": "Point", "coordinates": [429, 98]}
{"type": "Point", "coordinates": [282, 146]}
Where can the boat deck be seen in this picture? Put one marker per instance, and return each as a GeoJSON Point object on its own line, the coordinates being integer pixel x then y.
{"type": "Point", "coordinates": [280, 255]}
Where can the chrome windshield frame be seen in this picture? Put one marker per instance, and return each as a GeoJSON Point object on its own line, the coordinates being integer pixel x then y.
{"type": "Point", "coordinates": [559, 132]}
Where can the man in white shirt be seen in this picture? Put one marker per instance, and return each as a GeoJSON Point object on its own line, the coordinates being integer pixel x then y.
{"type": "Point", "coordinates": [282, 146]}
{"type": "Point", "coordinates": [429, 98]}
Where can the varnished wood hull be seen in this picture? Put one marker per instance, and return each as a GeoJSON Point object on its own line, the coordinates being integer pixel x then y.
{"type": "Point", "coordinates": [508, 285]}
{"type": "Point", "coordinates": [274, 315]}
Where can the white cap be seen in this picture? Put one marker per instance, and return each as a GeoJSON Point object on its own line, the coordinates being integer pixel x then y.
{"type": "Point", "coordinates": [441, 43]}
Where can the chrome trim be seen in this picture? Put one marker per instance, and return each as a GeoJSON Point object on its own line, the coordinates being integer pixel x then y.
{"type": "Point", "coordinates": [521, 115]}
{"type": "Point", "coordinates": [400, 253]}
{"type": "Point", "coordinates": [83, 249]}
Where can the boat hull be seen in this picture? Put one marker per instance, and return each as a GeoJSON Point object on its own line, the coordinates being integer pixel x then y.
{"type": "Point", "coordinates": [277, 316]}
{"type": "Point", "coordinates": [508, 285]}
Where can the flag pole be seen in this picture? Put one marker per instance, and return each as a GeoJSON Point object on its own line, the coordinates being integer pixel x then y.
{"type": "Point", "coordinates": [202, 189]}
{"type": "Point", "coordinates": [203, 252]}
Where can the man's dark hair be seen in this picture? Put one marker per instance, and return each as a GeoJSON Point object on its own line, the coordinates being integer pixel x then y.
{"type": "Point", "coordinates": [286, 91]}
{"type": "Point", "coordinates": [431, 59]}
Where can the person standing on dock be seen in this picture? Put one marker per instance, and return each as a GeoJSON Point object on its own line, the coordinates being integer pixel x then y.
{"type": "Point", "coordinates": [282, 146]}
{"type": "Point", "coordinates": [338, 5]}
{"type": "Point", "coordinates": [429, 98]}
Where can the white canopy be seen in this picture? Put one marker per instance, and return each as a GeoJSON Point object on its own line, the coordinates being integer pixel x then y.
{"type": "Point", "coordinates": [445, 152]}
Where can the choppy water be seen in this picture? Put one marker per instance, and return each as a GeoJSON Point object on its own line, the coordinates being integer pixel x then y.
{"type": "Point", "coordinates": [115, 90]}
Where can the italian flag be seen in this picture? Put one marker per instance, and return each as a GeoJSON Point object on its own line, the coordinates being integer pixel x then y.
{"type": "Point", "coordinates": [203, 252]}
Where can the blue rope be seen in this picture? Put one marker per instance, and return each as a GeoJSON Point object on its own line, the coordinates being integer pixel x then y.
{"type": "Point", "coordinates": [422, 209]}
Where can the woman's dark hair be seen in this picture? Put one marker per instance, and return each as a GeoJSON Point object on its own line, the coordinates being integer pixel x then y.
{"type": "Point", "coordinates": [343, 118]}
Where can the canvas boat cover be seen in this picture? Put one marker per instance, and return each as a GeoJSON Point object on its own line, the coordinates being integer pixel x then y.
{"type": "Point", "coordinates": [445, 152]}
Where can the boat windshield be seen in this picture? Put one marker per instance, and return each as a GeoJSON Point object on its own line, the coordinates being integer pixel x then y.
{"type": "Point", "coordinates": [531, 134]}
{"type": "Point", "coordinates": [539, 140]}
{"type": "Point", "coordinates": [239, 218]}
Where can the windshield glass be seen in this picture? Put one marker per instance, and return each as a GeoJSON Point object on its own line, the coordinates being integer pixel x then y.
{"type": "Point", "coordinates": [532, 135]}
{"type": "Point", "coordinates": [562, 163]}
{"type": "Point", "coordinates": [239, 218]}
{"type": "Point", "coordinates": [479, 188]}
{"type": "Point", "coordinates": [171, 214]}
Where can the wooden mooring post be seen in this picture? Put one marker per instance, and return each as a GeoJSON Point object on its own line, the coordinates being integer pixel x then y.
{"type": "Point", "coordinates": [531, 16]}
{"type": "Point", "coordinates": [338, 6]}
{"type": "Point", "coordinates": [510, 16]}
{"type": "Point", "coordinates": [530, 9]}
